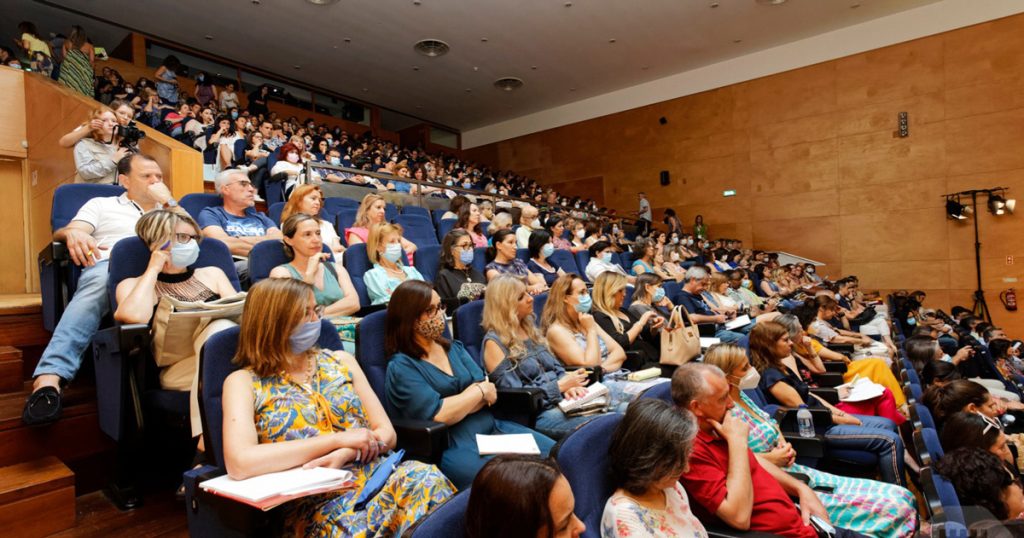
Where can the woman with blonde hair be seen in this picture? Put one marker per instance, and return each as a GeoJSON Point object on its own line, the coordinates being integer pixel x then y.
{"type": "Point", "coordinates": [371, 212]}
{"type": "Point", "coordinates": [309, 199]}
{"type": "Point", "coordinates": [865, 506]}
{"type": "Point", "coordinates": [291, 405]}
{"type": "Point", "coordinates": [631, 332]}
{"type": "Point", "coordinates": [97, 155]}
{"type": "Point", "coordinates": [332, 287]}
{"type": "Point", "coordinates": [515, 355]}
{"type": "Point", "coordinates": [173, 239]}
{"type": "Point", "coordinates": [573, 335]}
{"type": "Point", "coordinates": [384, 248]}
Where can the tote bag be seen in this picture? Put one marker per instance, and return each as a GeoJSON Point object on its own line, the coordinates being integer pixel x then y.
{"type": "Point", "coordinates": [680, 341]}
{"type": "Point", "coordinates": [176, 324]}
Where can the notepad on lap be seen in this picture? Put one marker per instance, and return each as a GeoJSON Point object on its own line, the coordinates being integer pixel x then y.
{"type": "Point", "coordinates": [741, 321]}
{"type": "Point", "coordinates": [594, 392]}
{"type": "Point", "coordinates": [708, 341]}
{"type": "Point", "coordinates": [512, 443]}
{"type": "Point", "coordinates": [273, 489]}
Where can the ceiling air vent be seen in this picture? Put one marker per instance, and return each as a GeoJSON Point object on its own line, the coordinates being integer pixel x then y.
{"type": "Point", "coordinates": [431, 47]}
{"type": "Point", "coordinates": [508, 83]}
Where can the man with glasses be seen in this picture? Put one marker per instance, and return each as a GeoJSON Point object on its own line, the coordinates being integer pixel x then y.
{"type": "Point", "coordinates": [89, 236]}
{"type": "Point", "coordinates": [236, 222]}
{"type": "Point", "coordinates": [695, 282]}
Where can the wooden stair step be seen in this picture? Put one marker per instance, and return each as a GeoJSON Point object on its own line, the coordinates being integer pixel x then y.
{"type": "Point", "coordinates": [10, 369]}
{"type": "Point", "coordinates": [76, 435]}
{"type": "Point", "coordinates": [21, 321]}
{"type": "Point", "coordinates": [37, 498]}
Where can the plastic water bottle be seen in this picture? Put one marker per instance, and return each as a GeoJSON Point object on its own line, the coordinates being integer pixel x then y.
{"type": "Point", "coordinates": [804, 422]}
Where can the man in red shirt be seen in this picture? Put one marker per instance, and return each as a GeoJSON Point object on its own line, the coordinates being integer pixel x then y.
{"type": "Point", "coordinates": [726, 481]}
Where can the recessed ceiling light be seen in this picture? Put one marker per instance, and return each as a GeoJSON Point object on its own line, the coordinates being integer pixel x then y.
{"type": "Point", "coordinates": [475, 68]}
{"type": "Point", "coordinates": [416, 2]}
{"type": "Point", "coordinates": [297, 66]}
{"type": "Point", "coordinates": [713, 5]}
{"type": "Point", "coordinates": [771, 2]}
{"type": "Point", "coordinates": [855, 6]}
{"type": "Point", "coordinates": [483, 40]}
{"type": "Point", "coordinates": [508, 83]}
{"type": "Point", "coordinates": [419, 106]}
{"type": "Point", "coordinates": [572, 89]}
{"type": "Point", "coordinates": [611, 41]}
{"type": "Point", "coordinates": [737, 41]}
{"type": "Point", "coordinates": [255, 2]}
{"type": "Point", "coordinates": [415, 68]}
{"type": "Point", "coordinates": [322, 2]}
{"type": "Point", "coordinates": [431, 47]}
{"type": "Point", "coordinates": [568, 4]}
{"type": "Point", "coordinates": [208, 37]}
{"type": "Point", "coordinates": [644, 67]}
{"type": "Point", "coordinates": [348, 40]}
{"type": "Point", "coordinates": [469, 90]}
{"type": "Point", "coordinates": [534, 67]}
{"type": "Point", "coordinates": [366, 89]}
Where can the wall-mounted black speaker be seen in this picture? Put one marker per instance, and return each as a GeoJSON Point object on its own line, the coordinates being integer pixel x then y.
{"type": "Point", "coordinates": [664, 178]}
{"type": "Point", "coordinates": [663, 120]}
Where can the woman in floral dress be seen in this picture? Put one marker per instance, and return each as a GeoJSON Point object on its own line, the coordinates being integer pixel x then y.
{"type": "Point", "coordinates": [866, 506]}
{"type": "Point", "coordinates": [294, 405]}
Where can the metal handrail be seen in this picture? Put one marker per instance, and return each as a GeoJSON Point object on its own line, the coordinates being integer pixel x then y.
{"type": "Point", "coordinates": [472, 192]}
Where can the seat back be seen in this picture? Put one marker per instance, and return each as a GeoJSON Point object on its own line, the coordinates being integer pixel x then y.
{"type": "Point", "coordinates": [130, 257]}
{"type": "Point", "coordinates": [929, 449]}
{"type": "Point", "coordinates": [468, 330]}
{"type": "Point", "coordinates": [357, 264]}
{"type": "Point", "coordinates": [418, 211]}
{"type": "Point", "coordinates": [370, 351]}
{"type": "Point", "coordinates": [523, 254]}
{"type": "Point", "coordinates": [661, 391]}
{"type": "Point", "coordinates": [564, 260]}
{"type": "Point", "coordinates": [345, 219]}
{"type": "Point", "coordinates": [947, 496]}
{"type": "Point", "coordinates": [266, 255]}
{"type": "Point", "coordinates": [582, 259]}
{"type": "Point", "coordinates": [444, 227]}
{"type": "Point", "coordinates": [274, 212]}
{"type": "Point", "coordinates": [427, 261]}
{"type": "Point", "coordinates": [334, 205]}
{"type": "Point", "coordinates": [69, 198]}
{"type": "Point", "coordinates": [196, 202]}
{"type": "Point", "coordinates": [480, 259]}
{"type": "Point", "coordinates": [672, 289]}
{"type": "Point", "coordinates": [417, 229]}
{"type": "Point", "coordinates": [539, 301]}
{"type": "Point", "coordinates": [215, 365]}
{"type": "Point", "coordinates": [628, 299]}
{"type": "Point", "coordinates": [435, 215]}
{"type": "Point", "coordinates": [925, 416]}
{"type": "Point", "coordinates": [626, 260]}
{"type": "Point", "coordinates": [445, 521]}
{"type": "Point", "coordinates": [583, 457]}
{"type": "Point", "coordinates": [912, 376]}
{"type": "Point", "coordinates": [390, 212]}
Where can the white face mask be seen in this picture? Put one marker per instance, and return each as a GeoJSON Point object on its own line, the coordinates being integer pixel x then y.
{"type": "Point", "coordinates": [535, 224]}
{"type": "Point", "coordinates": [750, 380]}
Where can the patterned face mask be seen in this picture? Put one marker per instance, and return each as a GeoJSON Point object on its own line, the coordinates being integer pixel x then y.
{"type": "Point", "coordinates": [432, 327]}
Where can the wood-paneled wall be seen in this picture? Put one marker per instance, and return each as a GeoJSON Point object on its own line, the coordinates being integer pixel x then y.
{"type": "Point", "coordinates": [817, 167]}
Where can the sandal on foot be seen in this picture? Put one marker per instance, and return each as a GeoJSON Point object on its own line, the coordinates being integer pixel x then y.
{"type": "Point", "coordinates": [42, 407]}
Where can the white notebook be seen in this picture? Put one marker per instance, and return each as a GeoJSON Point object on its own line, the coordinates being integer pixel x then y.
{"type": "Point", "coordinates": [513, 443]}
{"type": "Point", "coordinates": [741, 321]}
{"type": "Point", "coordinates": [271, 489]}
{"type": "Point", "coordinates": [594, 391]}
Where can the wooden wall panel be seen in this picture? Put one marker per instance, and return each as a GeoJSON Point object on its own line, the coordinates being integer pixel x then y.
{"type": "Point", "coordinates": [12, 118]}
{"type": "Point", "coordinates": [817, 167]}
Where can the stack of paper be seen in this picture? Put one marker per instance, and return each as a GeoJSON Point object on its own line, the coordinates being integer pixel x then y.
{"type": "Point", "coordinates": [596, 393]}
{"type": "Point", "coordinates": [273, 489]}
{"type": "Point", "coordinates": [741, 321]}
{"type": "Point", "coordinates": [859, 390]}
{"type": "Point", "coordinates": [513, 443]}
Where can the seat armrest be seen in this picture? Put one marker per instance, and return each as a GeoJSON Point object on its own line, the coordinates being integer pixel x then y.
{"type": "Point", "coordinates": [806, 479]}
{"type": "Point", "coordinates": [520, 404]}
{"type": "Point", "coordinates": [830, 395]}
{"type": "Point", "coordinates": [835, 367]}
{"type": "Point", "coordinates": [211, 515]}
{"type": "Point", "coordinates": [829, 379]}
{"type": "Point", "coordinates": [708, 330]}
{"type": "Point", "coordinates": [54, 252]}
{"type": "Point", "coordinates": [841, 348]}
{"type": "Point", "coordinates": [667, 370]}
{"type": "Point", "coordinates": [423, 440]}
{"type": "Point", "coordinates": [367, 310]}
{"type": "Point", "coordinates": [806, 447]}
{"type": "Point", "coordinates": [719, 530]}
{"type": "Point", "coordinates": [119, 357]}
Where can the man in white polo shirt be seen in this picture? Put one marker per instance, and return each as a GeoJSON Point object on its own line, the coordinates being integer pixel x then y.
{"type": "Point", "coordinates": [89, 236]}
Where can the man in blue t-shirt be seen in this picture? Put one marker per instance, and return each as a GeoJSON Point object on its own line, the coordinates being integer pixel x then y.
{"type": "Point", "coordinates": [689, 297]}
{"type": "Point", "coordinates": [236, 223]}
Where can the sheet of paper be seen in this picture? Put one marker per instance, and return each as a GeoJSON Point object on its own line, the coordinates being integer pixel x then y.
{"type": "Point", "coordinates": [708, 341]}
{"type": "Point", "coordinates": [741, 321]}
{"type": "Point", "coordinates": [514, 443]}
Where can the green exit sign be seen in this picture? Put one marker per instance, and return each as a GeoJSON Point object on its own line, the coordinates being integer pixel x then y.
{"type": "Point", "coordinates": [728, 193]}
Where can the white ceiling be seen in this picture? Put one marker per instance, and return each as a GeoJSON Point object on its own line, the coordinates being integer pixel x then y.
{"type": "Point", "coordinates": [560, 48]}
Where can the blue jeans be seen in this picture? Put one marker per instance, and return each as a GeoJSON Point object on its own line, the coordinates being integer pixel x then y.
{"type": "Point", "coordinates": [728, 337]}
{"type": "Point", "coordinates": [556, 425]}
{"type": "Point", "coordinates": [81, 319]}
{"type": "Point", "coordinates": [876, 435]}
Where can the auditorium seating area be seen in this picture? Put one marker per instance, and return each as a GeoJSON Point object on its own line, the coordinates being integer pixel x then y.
{"type": "Point", "coordinates": [951, 384]}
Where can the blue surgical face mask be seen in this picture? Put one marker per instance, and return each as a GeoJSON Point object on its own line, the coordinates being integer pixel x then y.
{"type": "Point", "coordinates": [335, 161]}
{"type": "Point", "coordinates": [659, 294]}
{"type": "Point", "coordinates": [466, 256]}
{"type": "Point", "coordinates": [606, 257]}
{"type": "Point", "coordinates": [393, 252]}
{"type": "Point", "coordinates": [911, 321]}
{"type": "Point", "coordinates": [547, 250]}
{"type": "Point", "coordinates": [584, 304]}
{"type": "Point", "coordinates": [234, 114]}
{"type": "Point", "coordinates": [184, 254]}
{"type": "Point", "coordinates": [946, 358]}
{"type": "Point", "coordinates": [304, 336]}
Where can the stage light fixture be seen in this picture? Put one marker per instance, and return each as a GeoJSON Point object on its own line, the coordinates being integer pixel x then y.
{"type": "Point", "coordinates": [998, 205]}
{"type": "Point", "coordinates": [955, 210]}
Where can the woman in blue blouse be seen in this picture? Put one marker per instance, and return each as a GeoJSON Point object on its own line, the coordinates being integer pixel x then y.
{"type": "Point", "coordinates": [541, 248]}
{"type": "Point", "coordinates": [502, 260]}
{"type": "Point", "coordinates": [384, 248]}
{"type": "Point", "coordinates": [432, 378]}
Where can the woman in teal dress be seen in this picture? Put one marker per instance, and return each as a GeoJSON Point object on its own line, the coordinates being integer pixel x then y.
{"type": "Point", "coordinates": [430, 378]}
{"type": "Point", "coordinates": [866, 506]}
{"type": "Point", "coordinates": [303, 243]}
{"type": "Point", "coordinates": [294, 405]}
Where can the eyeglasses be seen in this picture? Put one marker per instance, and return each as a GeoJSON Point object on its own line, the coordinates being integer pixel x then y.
{"type": "Point", "coordinates": [990, 423]}
{"type": "Point", "coordinates": [433, 309]}
{"type": "Point", "coordinates": [465, 246]}
{"type": "Point", "coordinates": [317, 311]}
{"type": "Point", "coordinates": [185, 238]}
{"type": "Point", "coordinates": [245, 183]}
